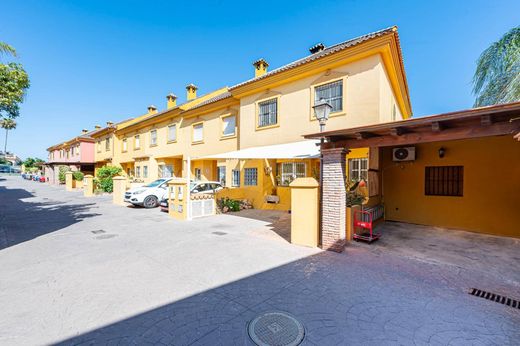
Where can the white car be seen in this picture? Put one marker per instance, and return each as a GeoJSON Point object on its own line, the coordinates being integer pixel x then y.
{"type": "Point", "coordinates": [150, 195]}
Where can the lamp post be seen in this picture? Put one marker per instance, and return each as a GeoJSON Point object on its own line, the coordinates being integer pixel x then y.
{"type": "Point", "coordinates": [321, 111]}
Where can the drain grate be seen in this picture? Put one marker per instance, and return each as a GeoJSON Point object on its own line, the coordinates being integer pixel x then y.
{"type": "Point", "coordinates": [276, 328]}
{"type": "Point", "coordinates": [219, 233]}
{"type": "Point", "coordinates": [495, 297]}
{"type": "Point", "coordinates": [106, 236]}
{"type": "Point", "coordinates": [98, 231]}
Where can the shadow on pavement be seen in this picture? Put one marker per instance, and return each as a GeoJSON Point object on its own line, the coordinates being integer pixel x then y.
{"type": "Point", "coordinates": [21, 221]}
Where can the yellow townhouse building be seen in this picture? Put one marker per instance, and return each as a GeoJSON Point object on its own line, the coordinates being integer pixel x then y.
{"type": "Point", "coordinates": [250, 136]}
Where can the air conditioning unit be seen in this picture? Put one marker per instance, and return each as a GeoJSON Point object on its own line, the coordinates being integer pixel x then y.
{"type": "Point", "coordinates": [403, 154]}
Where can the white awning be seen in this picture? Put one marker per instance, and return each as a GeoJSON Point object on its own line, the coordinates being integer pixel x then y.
{"type": "Point", "coordinates": [297, 150]}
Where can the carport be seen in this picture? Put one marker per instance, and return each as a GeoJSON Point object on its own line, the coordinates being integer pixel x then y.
{"type": "Point", "coordinates": [458, 170]}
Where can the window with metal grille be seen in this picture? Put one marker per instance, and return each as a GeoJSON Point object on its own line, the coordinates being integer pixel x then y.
{"type": "Point", "coordinates": [172, 133]}
{"type": "Point", "coordinates": [145, 171]}
{"type": "Point", "coordinates": [288, 171]}
{"type": "Point", "coordinates": [250, 176]}
{"type": "Point", "coordinates": [153, 137]}
{"type": "Point", "coordinates": [125, 144]}
{"type": "Point", "coordinates": [358, 169]}
{"type": "Point", "coordinates": [221, 174]}
{"type": "Point", "coordinates": [444, 181]}
{"type": "Point", "coordinates": [107, 144]}
{"type": "Point", "coordinates": [268, 113]}
{"type": "Point", "coordinates": [138, 172]}
{"type": "Point", "coordinates": [236, 178]}
{"type": "Point", "coordinates": [332, 93]}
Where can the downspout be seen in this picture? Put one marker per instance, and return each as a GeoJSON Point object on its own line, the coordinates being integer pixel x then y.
{"type": "Point", "coordinates": [188, 197]}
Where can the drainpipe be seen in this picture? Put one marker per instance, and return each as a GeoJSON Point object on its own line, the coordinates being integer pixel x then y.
{"type": "Point", "coordinates": [188, 199]}
{"type": "Point", "coordinates": [320, 211]}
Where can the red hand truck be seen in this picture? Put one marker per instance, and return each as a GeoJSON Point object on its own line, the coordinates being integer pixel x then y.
{"type": "Point", "coordinates": [363, 226]}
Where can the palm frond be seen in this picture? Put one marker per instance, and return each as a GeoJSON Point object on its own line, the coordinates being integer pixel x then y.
{"type": "Point", "coordinates": [6, 49]}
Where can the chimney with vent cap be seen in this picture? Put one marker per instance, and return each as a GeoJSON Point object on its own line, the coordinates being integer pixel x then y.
{"type": "Point", "coordinates": [191, 92]}
{"type": "Point", "coordinates": [109, 123]}
{"type": "Point", "coordinates": [152, 109]}
{"type": "Point", "coordinates": [172, 100]}
{"type": "Point", "coordinates": [260, 67]}
{"type": "Point", "coordinates": [97, 127]}
{"type": "Point", "coordinates": [84, 131]}
{"type": "Point", "coordinates": [317, 48]}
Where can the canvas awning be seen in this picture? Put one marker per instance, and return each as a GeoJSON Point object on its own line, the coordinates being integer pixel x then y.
{"type": "Point", "coordinates": [297, 150]}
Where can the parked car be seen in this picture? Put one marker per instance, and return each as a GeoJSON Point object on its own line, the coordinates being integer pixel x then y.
{"type": "Point", "coordinates": [42, 179]}
{"type": "Point", "coordinates": [195, 187]}
{"type": "Point", "coordinates": [148, 195]}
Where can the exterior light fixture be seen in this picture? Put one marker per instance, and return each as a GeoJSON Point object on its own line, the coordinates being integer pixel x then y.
{"type": "Point", "coordinates": [442, 152]}
{"type": "Point", "coordinates": [322, 111]}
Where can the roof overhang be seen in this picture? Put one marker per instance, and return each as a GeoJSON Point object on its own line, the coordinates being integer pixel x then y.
{"type": "Point", "coordinates": [296, 150]}
{"type": "Point", "coordinates": [471, 123]}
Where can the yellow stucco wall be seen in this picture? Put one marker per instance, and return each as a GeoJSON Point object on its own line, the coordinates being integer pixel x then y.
{"type": "Point", "coordinates": [491, 197]}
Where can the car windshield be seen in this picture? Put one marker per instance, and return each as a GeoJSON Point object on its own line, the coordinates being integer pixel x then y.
{"type": "Point", "coordinates": [156, 183]}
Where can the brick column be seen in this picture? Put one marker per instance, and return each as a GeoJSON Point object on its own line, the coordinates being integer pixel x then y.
{"type": "Point", "coordinates": [333, 209]}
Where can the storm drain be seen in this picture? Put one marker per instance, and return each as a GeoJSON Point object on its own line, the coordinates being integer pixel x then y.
{"type": "Point", "coordinates": [219, 233]}
{"type": "Point", "coordinates": [106, 236]}
{"type": "Point", "coordinates": [98, 231]}
{"type": "Point", "coordinates": [276, 328]}
{"type": "Point", "coordinates": [495, 297]}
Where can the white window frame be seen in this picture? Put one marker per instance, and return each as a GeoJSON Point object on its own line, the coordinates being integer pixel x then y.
{"type": "Point", "coordinates": [145, 171]}
{"type": "Point", "coordinates": [137, 142]}
{"type": "Point", "coordinates": [170, 127]}
{"type": "Point", "coordinates": [235, 178]}
{"type": "Point", "coordinates": [125, 145]}
{"type": "Point", "coordinates": [193, 129]}
{"type": "Point", "coordinates": [153, 137]}
{"type": "Point", "coordinates": [107, 144]}
{"type": "Point", "coordinates": [138, 171]}
{"type": "Point", "coordinates": [221, 177]}
{"type": "Point", "coordinates": [358, 172]}
{"type": "Point", "coordinates": [288, 171]}
{"type": "Point", "coordinates": [224, 119]}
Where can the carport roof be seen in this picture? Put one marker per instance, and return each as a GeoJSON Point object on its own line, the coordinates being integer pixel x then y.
{"type": "Point", "coordinates": [471, 123]}
{"type": "Point", "coordinates": [295, 150]}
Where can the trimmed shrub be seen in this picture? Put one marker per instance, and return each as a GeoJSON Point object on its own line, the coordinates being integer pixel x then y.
{"type": "Point", "coordinates": [104, 177]}
{"type": "Point", "coordinates": [78, 176]}
{"type": "Point", "coordinates": [61, 173]}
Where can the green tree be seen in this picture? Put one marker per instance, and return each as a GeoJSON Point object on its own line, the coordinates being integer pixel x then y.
{"type": "Point", "coordinates": [497, 77]}
{"type": "Point", "coordinates": [31, 162]}
{"type": "Point", "coordinates": [7, 124]}
{"type": "Point", "coordinates": [14, 83]}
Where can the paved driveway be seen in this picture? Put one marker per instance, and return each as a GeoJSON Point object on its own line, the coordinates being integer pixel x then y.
{"type": "Point", "coordinates": [83, 271]}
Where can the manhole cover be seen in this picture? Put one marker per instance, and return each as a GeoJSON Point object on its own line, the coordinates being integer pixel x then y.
{"type": "Point", "coordinates": [276, 328]}
{"type": "Point", "coordinates": [106, 236]}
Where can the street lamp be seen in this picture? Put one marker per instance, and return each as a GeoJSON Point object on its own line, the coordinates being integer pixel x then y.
{"type": "Point", "coordinates": [321, 111]}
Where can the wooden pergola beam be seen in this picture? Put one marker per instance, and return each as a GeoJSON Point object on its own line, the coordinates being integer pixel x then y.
{"type": "Point", "coordinates": [427, 135]}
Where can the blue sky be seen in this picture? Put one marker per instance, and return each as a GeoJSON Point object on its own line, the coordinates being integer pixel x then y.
{"type": "Point", "coordinates": [93, 61]}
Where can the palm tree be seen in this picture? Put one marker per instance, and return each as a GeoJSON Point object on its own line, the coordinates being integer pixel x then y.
{"type": "Point", "coordinates": [497, 77]}
{"type": "Point", "coordinates": [7, 124]}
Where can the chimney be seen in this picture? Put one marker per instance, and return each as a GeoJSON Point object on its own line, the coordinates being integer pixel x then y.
{"type": "Point", "coordinates": [152, 109]}
{"type": "Point", "coordinates": [172, 100]}
{"type": "Point", "coordinates": [84, 131]}
{"type": "Point", "coordinates": [260, 67]}
{"type": "Point", "coordinates": [191, 92]}
{"type": "Point", "coordinates": [109, 123]}
{"type": "Point", "coordinates": [317, 48]}
{"type": "Point", "coordinates": [97, 127]}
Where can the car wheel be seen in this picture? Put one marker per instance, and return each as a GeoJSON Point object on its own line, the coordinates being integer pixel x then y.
{"type": "Point", "coordinates": [150, 202]}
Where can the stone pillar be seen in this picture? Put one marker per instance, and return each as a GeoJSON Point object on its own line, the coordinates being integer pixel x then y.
{"type": "Point", "coordinates": [88, 186]}
{"type": "Point", "coordinates": [118, 194]}
{"type": "Point", "coordinates": [304, 212]}
{"type": "Point", "coordinates": [69, 181]}
{"type": "Point", "coordinates": [333, 222]}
